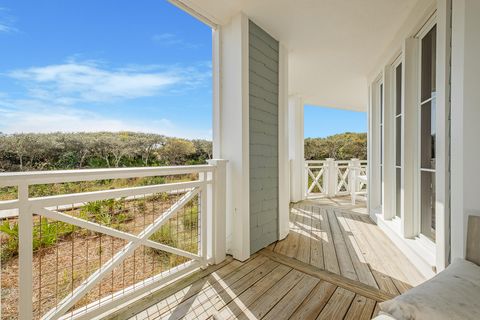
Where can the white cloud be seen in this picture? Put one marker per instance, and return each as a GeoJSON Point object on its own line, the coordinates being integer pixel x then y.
{"type": "Point", "coordinates": [6, 22]}
{"type": "Point", "coordinates": [55, 95]}
{"type": "Point", "coordinates": [88, 81]}
{"type": "Point", "coordinates": [32, 116]}
{"type": "Point", "coordinates": [171, 40]}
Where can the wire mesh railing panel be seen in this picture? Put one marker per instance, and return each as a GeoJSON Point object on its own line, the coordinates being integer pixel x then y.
{"type": "Point", "coordinates": [9, 268]}
{"type": "Point", "coordinates": [89, 253]}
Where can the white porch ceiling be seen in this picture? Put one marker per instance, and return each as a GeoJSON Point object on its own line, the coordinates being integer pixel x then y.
{"type": "Point", "coordinates": [333, 44]}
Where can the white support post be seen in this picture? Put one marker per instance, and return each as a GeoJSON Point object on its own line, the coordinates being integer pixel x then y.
{"type": "Point", "coordinates": [217, 212]}
{"type": "Point", "coordinates": [232, 125]}
{"type": "Point", "coordinates": [296, 147]}
{"type": "Point", "coordinates": [331, 173]}
{"type": "Point", "coordinates": [25, 250]}
{"type": "Point", "coordinates": [283, 159]}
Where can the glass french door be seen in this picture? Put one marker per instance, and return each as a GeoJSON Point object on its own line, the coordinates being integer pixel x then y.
{"type": "Point", "coordinates": [398, 139]}
{"type": "Point", "coordinates": [428, 134]}
{"type": "Point", "coordinates": [381, 148]}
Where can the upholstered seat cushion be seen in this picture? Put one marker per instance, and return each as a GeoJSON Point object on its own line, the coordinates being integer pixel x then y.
{"type": "Point", "coordinates": [452, 294]}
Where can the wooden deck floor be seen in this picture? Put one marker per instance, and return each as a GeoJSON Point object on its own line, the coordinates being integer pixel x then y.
{"type": "Point", "coordinates": [335, 236]}
{"type": "Point", "coordinates": [335, 264]}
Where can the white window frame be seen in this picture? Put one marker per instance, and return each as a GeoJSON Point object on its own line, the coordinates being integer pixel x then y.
{"type": "Point", "coordinates": [427, 242]}
{"type": "Point", "coordinates": [394, 66]}
{"type": "Point", "coordinates": [375, 132]}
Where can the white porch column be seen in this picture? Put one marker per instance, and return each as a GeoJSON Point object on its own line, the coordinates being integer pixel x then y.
{"type": "Point", "coordinates": [283, 152]}
{"type": "Point", "coordinates": [231, 132]}
{"type": "Point", "coordinates": [465, 119]}
{"type": "Point", "coordinates": [296, 147]}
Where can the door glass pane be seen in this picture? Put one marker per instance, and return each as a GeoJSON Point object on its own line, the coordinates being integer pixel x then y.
{"type": "Point", "coordinates": [429, 43]}
{"type": "Point", "coordinates": [427, 135]}
{"type": "Point", "coordinates": [381, 145]}
{"type": "Point", "coordinates": [398, 141]}
{"type": "Point", "coordinates": [398, 192]}
{"type": "Point", "coordinates": [398, 89]}
{"type": "Point", "coordinates": [398, 111]}
{"type": "Point", "coordinates": [428, 204]}
{"type": "Point", "coordinates": [381, 103]}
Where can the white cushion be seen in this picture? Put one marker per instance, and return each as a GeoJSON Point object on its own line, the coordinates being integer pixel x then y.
{"type": "Point", "coordinates": [384, 316]}
{"type": "Point", "coordinates": [454, 293]}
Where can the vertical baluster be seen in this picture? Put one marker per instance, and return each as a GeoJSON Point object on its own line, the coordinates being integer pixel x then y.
{"type": "Point", "coordinates": [25, 236]}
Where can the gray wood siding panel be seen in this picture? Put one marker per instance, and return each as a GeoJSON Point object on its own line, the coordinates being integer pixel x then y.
{"type": "Point", "coordinates": [263, 129]}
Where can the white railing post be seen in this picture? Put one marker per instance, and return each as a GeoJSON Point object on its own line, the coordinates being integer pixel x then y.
{"type": "Point", "coordinates": [217, 224]}
{"type": "Point", "coordinates": [305, 180]}
{"type": "Point", "coordinates": [203, 199]}
{"type": "Point", "coordinates": [25, 251]}
{"type": "Point", "coordinates": [331, 177]}
{"type": "Point", "coordinates": [354, 172]}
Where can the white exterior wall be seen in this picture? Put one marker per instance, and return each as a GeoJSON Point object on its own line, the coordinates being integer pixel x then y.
{"type": "Point", "coordinates": [465, 128]}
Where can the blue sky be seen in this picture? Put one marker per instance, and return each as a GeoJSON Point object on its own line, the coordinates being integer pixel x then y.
{"type": "Point", "coordinates": [104, 65]}
{"type": "Point", "coordinates": [322, 122]}
{"type": "Point", "coordinates": [115, 65]}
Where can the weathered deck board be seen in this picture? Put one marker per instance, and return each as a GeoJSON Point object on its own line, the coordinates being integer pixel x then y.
{"type": "Point", "coordinates": [314, 302]}
{"type": "Point", "coordinates": [338, 305]}
{"type": "Point", "coordinates": [331, 266]}
{"type": "Point", "coordinates": [344, 240]}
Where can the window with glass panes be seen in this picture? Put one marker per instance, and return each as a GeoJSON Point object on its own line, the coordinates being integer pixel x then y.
{"type": "Point", "coordinates": [398, 140]}
{"type": "Point", "coordinates": [427, 134]}
{"type": "Point", "coordinates": [381, 142]}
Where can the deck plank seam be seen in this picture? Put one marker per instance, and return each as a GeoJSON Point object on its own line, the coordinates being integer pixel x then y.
{"type": "Point", "coordinates": [356, 287]}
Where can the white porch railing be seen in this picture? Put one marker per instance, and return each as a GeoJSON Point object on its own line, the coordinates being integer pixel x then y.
{"type": "Point", "coordinates": [80, 254]}
{"type": "Point", "coordinates": [335, 178]}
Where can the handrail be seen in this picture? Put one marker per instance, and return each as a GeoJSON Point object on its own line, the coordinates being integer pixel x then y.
{"type": "Point", "coordinates": [8, 179]}
{"type": "Point", "coordinates": [203, 195]}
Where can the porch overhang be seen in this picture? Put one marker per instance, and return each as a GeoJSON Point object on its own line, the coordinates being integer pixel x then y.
{"type": "Point", "coordinates": [333, 46]}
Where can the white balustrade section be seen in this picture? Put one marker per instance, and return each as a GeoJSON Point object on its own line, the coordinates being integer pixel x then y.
{"type": "Point", "coordinates": [332, 178]}
{"type": "Point", "coordinates": [208, 188]}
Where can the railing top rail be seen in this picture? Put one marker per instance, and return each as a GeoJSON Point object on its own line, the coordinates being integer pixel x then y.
{"type": "Point", "coordinates": [60, 176]}
{"type": "Point", "coordinates": [315, 161]}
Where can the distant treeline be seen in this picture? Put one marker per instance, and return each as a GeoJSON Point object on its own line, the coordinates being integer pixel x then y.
{"type": "Point", "coordinates": [55, 151]}
{"type": "Point", "coordinates": [50, 151]}
{"type": "Point", "coordinates": [344, 146]}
